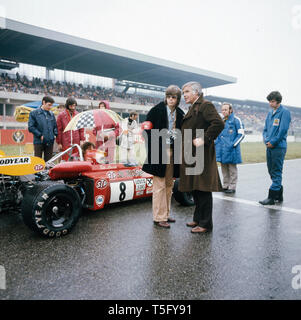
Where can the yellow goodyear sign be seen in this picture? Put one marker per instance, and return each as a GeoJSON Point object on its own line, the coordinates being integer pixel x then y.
{"type": "Point", "coordinates": [20, 166]}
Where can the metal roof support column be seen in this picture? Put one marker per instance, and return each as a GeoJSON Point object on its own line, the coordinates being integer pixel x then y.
{"type": "Point", "coordinates": [47, 73]}
{"type": "Point", "coordinates": [4, 115]}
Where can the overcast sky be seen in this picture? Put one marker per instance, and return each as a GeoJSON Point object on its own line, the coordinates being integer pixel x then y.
{"type": "Point", "coordinates": [258, 41]}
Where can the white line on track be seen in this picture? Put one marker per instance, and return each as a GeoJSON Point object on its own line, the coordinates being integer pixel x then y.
{"type": "Point", "coordinates": [251, 164]}
{"type": "Point", "coordinates": [256, 204]}
{"type": "Point", "coordinates": [264, 163]}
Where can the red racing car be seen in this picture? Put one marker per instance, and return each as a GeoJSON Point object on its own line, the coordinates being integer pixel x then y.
{"type": "Point", "coordinates": [51, 202]}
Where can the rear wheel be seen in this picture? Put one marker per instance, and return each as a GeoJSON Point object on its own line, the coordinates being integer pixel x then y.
{"type": "Point", "coordinates": [51, 209]}
{"type": "Point", "coordinates": [184, 198]}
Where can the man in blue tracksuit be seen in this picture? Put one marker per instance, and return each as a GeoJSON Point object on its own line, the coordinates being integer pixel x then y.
{"type": "Point", "coordinates": [227, 147]}
{"type": "Point", "coordinates": [274, 136]}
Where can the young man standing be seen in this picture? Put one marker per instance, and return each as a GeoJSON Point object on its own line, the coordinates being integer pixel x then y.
{"type": "Point", "coordinates": [165, 115]}
{"type": "Point", "coordinates": [274, 136]}
{"type": "Point", "coordinates": [227, 147]}
{"type": "Point", "coordinates": [42, 124]}
{"type": "Point", "coordinates": [66, 139]}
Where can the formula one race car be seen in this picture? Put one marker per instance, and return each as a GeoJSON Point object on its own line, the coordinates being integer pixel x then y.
{"type": "Point", "coordinates": [52, 196]}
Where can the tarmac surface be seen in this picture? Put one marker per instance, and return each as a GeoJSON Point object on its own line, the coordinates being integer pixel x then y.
{"type": "Point", "coordinates": [117, 253]}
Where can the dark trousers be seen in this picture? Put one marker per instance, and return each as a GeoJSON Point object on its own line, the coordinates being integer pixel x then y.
{"type": "Point", "coordinates": [40, 148]}
{"type": "Point", "coordinates": [275, 159]}
{"type": "Point", "coordinates": [203, 208]}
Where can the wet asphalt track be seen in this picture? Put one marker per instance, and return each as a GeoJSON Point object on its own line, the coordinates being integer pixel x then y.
{"type": "Point", "coordinates": [118, 253]}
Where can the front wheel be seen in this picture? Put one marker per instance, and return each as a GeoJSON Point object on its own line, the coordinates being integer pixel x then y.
{"type": "Point", "coordinates": [51, 209]}
{"type": "Point", "coordinates": [184, 198]}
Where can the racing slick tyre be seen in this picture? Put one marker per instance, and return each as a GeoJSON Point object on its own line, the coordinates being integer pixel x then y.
{"type": "Point", "coordinates": [51, 209]}
{"type": "Point", "coordinates": [184, 198]}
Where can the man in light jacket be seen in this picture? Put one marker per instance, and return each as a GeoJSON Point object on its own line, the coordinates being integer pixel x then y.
{"type": "Point", "coordinates": [227, 147]}
{"type": "Point", "coordinates": [127, 145]}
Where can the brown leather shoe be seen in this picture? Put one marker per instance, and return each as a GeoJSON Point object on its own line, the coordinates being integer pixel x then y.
{"type": "Point", "coordinates": [171, 220]}
{"type": "Point", "coordinates": [199, 229]}
{"type": "Point", "coordinates": [162, 224]}
{"type": "Point", "coordinates": [191, 224]}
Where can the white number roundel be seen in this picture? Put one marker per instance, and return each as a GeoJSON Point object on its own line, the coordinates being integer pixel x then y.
{"type": "Point", "coordinates": [122, 191]}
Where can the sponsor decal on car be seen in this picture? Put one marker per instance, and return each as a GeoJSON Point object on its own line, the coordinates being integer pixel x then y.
{"type": "Point", "coordinates": [149, 182]}
{"type": "Point", "coordinates": [38, 167]}
{"type": "Point", "coordinates": [101, 183]}
{"type": "Point", "coordinates": [111, 175]}
{"type": "Point", "coordinates": [13, 161]}
{"type": "Point", "coordinates": [123, 174]}
{"type": "Point", "coordinates": [128, 173]}
{"type": "Point", "coordinates": [136, 172]}
{"type": "Point", "coordinates": [139, 193]}
{"type": "Point", "coordinates": [140, 184]}
{"type": "Point", "coordinates": [99, 200]}
{"type": "Point", "coordinates": [149, 190]}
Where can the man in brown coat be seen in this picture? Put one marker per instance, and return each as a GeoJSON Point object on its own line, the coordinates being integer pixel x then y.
{"type": "Point", "coordinates": [201, 115]}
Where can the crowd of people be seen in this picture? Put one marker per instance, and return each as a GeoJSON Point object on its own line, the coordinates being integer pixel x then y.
{"type": "Point", "coordinates": [22, 84]}
{"type": "Point", "coordinates": [49, 135]}
{"type": "Point", "coordinates": [252, 116]}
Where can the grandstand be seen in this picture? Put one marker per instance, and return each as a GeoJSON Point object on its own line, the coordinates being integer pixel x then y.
{"type": "Point", "coordinates": [133, 81]}
{"type": "Point", "coordinates": [133, 75]}
{"type": "Point", "coordinates": [17, 90]}
{"type": "Point", "coordinates": [253, 114]}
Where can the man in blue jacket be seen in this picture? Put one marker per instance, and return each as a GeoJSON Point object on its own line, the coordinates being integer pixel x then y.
{"type": "Point", "coordinates": [274, 136]}
{"type": "Point", "coordinates": [42, 124]}
{"type": "Point", "coordinates": [227, 147]}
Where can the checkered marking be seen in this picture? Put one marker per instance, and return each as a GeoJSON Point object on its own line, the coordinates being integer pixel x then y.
{"type": "Point", "coordinates": [86, 121]}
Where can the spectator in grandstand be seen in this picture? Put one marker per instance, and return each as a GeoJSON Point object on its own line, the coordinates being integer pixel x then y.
{"type": "Point", "coordinates": [274, 136]}
{"type": "Point", "coordinates": [127, 144]}
{"type": "Point", "coordinates": [201, 115]}
{"type": "Point", "coordinates": [106, 137]}
{"type": "Point", "coordinates": [42, 125]}
{"type": "Point", "coordinates": [40, 86]}
{"type": "Point", "coordinates": [165, 115]}
{"type": "Point", "coordinates": [67, 139]}
{"type": "Point", "coordinates": [227, 147]}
